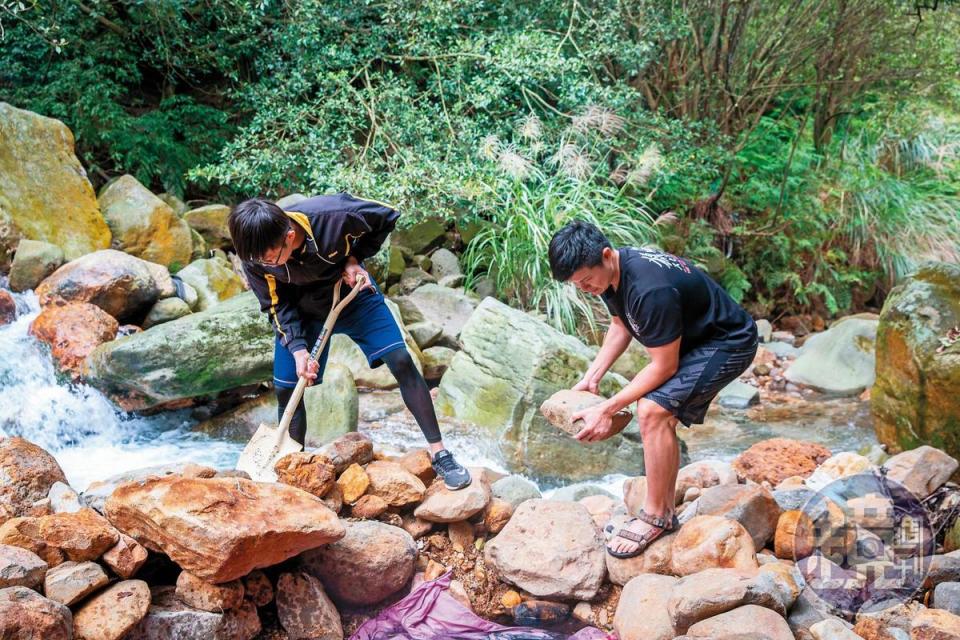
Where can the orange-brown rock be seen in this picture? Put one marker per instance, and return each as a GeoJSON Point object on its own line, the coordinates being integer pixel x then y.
{"type": "Point", "coordinates": [73, 331]}
{"type": "Point", "coordinates": [25, 533]}
{"type": "Point", "coordinates": [257, 587]}
{"type": "Point", "coordinates": [705, 542]}
{"type": "Point", "coordinates": [496, 515]}
{"type": "Point", "coordinates": [311, 472]}
{"type": "Point", "coordinates": [443, 505]}
{"type": "Point", "coordinates": [25, 615]}
{"type": "Point", "coordinates": [935, 624]}
{"type": "Point", "coordinates": [28, 472]}
{"type": "Point", "coordinates": [82, 535]}
{"type": "Point", "coordinates": [8, 308]}
{"type": "Point", "coordinates": [369, 507]}
{"type": "Point", "coordinates": [794, 537]}
{"type": "Point", "coordinates": [126, 557]}
{"type": "Point", "coordinates": [776, 459]}
{"type": "Point", "coordinates": [461, 535]}
{"type": "Point", "coordinates": [394, 484]}
{"type": "Point", "coordinates": [434, 570]}
{"type": "Point", "coordinates": [209, 597]}
{"type": "Point", "coordinates": [111, 613]}
{"type": "Point", "coordinates": [334, 499]}
{"type": "Point", "coordinates": [559, 409]}
{"type": "Point", "coordinates": [353, 483]}
{"type": "Point", "coordinates": [656, 559]}
{"type": "Point", "coordinates": [220, 529]}
{"type": "Point", "coordinates": [415, 526]}
{"type": "Point", "coordinates": [418, 463]}
{"type": "Point", "coordinates": [350, 448]}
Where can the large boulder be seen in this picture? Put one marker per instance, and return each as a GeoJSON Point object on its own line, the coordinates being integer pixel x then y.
{"type": "Point", "coordinates": [144, 225]}
{"type": "Point", "coordinates": [168, 617]}
{"type": "Point", "coordinates": [73, 331]}
{"type": "Point", "coordinates": [914, 400]}
{"type": "Point", "coordinates": [449, 308]}
{"type": "Point", "coordinates": [27, 472]}
{"type": "Point", "coordinates": [510, 363]}
{"type": "Point", "coordinates": [642, 610]}
{"type": "Point", "coordinates": [421, 236]}
{"type": "Point", "coordinates": [44, 191]}
{"type": "Point", "coordinates": [840, 360]}
{"type": "Point", "coordinates": [371, 562]}
{"type": "Point", "coordinates": [26, 615]}
{"type": "Point", "coordinates": [228, 346]}
{"type": "Point", "coordinates": [34, 261]}
{"type": "Point", "coordinates": [220, 529]}
{"type": "Point", "coordinates": [211, 223]}
{"type": "Point", "coordinates": [551, 550]}
{"type": "Point", "coordinates": [213, 279]}
{"type": "Point", "coordinates": [122, 285]}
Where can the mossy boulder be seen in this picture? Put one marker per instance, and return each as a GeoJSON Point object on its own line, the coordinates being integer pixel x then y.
{"type": "Point", "coordinates": [34, 261]}
{"type": "Point", "coordinates": [421, 236]}
{"type": "Point", "coordinates": [213, 279]}
{"type": "Point", "coordinates": [211, 223]}
{"type": "Point", "coordinates": [914, 399]}
{"type": "Point", "coordinates": [225, 347]}
{"type": "Point", "coordinates": [44, 191]}
{"type": "Point", "coordinates": [510, 363]}
{"type": "Point", "coordinates": [143, 225]}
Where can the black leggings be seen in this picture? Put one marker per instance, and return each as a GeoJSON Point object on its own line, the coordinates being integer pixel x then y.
{"type": "Point", "coordinates": [413, 390]}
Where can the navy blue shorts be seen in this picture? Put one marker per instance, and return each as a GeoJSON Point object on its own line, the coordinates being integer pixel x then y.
{"type": "Point", "coordinates": [366, 320]}
{"type": "Point", "coordinates": [702, 374]}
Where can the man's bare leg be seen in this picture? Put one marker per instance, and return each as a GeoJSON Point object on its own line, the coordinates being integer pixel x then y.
{"type": "Point", "coordinates": [661, 457]}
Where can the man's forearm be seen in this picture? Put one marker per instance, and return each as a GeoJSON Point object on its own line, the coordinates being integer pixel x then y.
{"type": "Point", "coordinates": [650, 377]}
{"type": "Point", "coordinates": [614, 344]}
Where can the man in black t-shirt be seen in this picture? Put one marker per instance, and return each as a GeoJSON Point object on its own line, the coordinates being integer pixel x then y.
{"type": "Point", "coordinates": [698, 338]}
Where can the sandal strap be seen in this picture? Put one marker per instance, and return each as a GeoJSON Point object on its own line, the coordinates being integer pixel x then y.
{"type": "Point", "coordinates": [641, 539]}
{"type": "Point", "coordinates": [655, 521]}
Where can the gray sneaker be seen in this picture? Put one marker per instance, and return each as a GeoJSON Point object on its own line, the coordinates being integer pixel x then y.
{"type": "Point", "coordinates": [454, 475]}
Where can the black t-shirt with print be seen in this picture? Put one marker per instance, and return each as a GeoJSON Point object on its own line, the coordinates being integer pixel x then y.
{"type": "Point", "coordinates": [661, 297]}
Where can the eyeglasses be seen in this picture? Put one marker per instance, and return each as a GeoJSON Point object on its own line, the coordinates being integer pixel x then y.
{"type": "Point", "coordinates": [275, 262]}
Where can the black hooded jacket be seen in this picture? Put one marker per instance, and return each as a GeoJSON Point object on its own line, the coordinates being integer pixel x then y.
{"type": "Point", "coordinates": [337, 226]}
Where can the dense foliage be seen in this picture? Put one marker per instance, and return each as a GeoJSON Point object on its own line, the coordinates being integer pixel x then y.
{"type": "Point", "coordinates": [803, 151]}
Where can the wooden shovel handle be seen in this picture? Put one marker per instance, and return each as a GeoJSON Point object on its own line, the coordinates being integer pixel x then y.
{"type": "Point", "coordinates": [331, 320]}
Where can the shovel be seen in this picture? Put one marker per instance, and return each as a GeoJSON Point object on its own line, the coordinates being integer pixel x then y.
{"type": "Point", "coordinates": [270, 443]}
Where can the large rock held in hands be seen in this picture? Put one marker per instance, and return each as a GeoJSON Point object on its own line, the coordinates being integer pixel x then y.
{"type": "Point", "coordinates": [220, 529]}
{"type": "Point", "coordinates": [914, 400]}
{"type": "Point", "coordinates": [551, 549]}
{"type": "Point", "coordinates": [510, 363]}
{"type": "Point", "coordinates": [560, 407]}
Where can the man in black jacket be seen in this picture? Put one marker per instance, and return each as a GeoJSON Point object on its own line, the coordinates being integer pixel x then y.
{"type": "Point", "coordinates": [293, 258]}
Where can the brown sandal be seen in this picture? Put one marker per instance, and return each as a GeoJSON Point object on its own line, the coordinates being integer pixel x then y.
{"type": "Point", "coordinates": [642, 540]}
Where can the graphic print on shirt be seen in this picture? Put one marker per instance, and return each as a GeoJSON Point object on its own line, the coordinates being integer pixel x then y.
{"type": "Point", "coordinates": [664, 260]}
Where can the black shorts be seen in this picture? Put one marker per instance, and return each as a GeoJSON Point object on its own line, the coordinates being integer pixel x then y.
{"type": "Point", "coordinates": [702, 373]}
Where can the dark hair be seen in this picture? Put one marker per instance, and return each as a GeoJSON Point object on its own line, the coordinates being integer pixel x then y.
{"type": "Point", "coordinates": [257, 226]}
{"type": "Point", "coordinates": [578, 244]}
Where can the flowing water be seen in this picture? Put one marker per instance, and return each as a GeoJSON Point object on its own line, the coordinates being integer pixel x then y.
{"type": "Point", "coordinates": [92, 439]}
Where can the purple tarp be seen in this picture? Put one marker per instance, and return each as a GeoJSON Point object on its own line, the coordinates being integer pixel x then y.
{"type": "Point", "coordinates": [430, 613]}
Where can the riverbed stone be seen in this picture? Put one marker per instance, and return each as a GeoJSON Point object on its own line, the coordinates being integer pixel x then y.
{"type": "Point", "coordinates": [225, 347]}
{"type": "Point", "coordinates": [642, 611]}
{"type": "Point", "coordinates": [839, 360]}
{"type": "Point", "coordinates": [126, 557]}
{"type": "Point", "coordinates": [436, 361]}
{"type": "Point", "coordinates": [20, 567]}
{"type": "Point", "coordinates": [73, 331]}
{"type": "Point", "coordinates": [510, 363]}
{"type": "Point", "coordinates": [515, 489]}
{"type": "Point", "coordinates": [704, 474]}
{"type": "Point", "coordinates": [935, 624]}
{"type": "Point", "coordinates": [213, 279]}
{"type": "Point", "coordinates": [738, 395]}
{"type": "Point", "coordinates": [43, 185]}
{"type": "Point", "coordinates": [711, 592]}
{"type": "Point", "coordinates": [122, 285]}
{"type": "Point", "coordinates": [371, 562]}
{"type": "Point", "coordinates": [168, 617]}
{"type": "Point", "coordinates": [81, 536]}
{"type": "Point", "coordinates": [419, 463]}
{"type": "Point", "coordinates": [397, 486]}
{"type": "Point", "coordinates": [551, 550]}
{"type": "Point", "coordinates": [310, 472]}
{"type": "Point", "coordinates": [233, 525]}
{"type": "Point", "coordinates": [26, 615]}
{"type": "Point", "coordinates": [839, 465]}
{"type": "Point", "coordinates": [28, 473]}
{"type": "Point", "coordinates": [34, 261]}
{"type": "Point", "coordinates": [210, 221]}
{"type": "Point", "coordinates": [752, 506]}
{"type": "Point", "coordinates": [833, 629]}
{"type": "Point", "coordinates": [111, 613]}
{"type": "Point", "coordinates": [70, 582]}
{"type": "Point", "coordinates": [707, 541]}
{"type": "Point", "coordinates": [775, 459]}
{"type": "Point", "coordinates": [24, 532]}
{"type": "Point", "coordinates": [304, 609]}
{"type": "Point", "coordinates": [559, 408]}
{"type": "Point", "coordinates": [166, 310]}
{"type": "Point", "coordinates": [369, 507]}
{"type": "Point", "coordinates": [258, 588]}
{"type": "Point", "coordinates": [443, 505]}
{"type": "Point", "coordinates": [63, 499]}
{"type": "Point", "coordinates": [658, 558]}
{"type": "Point", "coordinates": [143, 225]}
{"type": "Point", "coordinates": [350, 448]}
{"type": "Point", "coordinates": [202, 595]}
{"type": "Point", "coordinates": [333, 407]}
{"type": "Point", "coordinates": [922, 470]}
{"type": "Point", "coordinates": [734, 622]}
{"type": "Point", "coordinates": [353, 483]}
{"type": "Point", "coordinates": [946, 596]}
{"type": "Point", "coordinates": [918, 366]}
